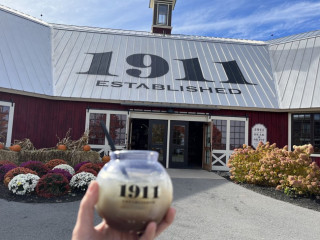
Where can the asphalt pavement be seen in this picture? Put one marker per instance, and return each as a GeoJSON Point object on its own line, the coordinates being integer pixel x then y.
{"type": "Point", "coordinates": [208, 207]}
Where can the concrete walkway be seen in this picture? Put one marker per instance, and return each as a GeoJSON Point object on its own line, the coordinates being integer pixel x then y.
{"type": "Point", "coordinates": [208, 207]}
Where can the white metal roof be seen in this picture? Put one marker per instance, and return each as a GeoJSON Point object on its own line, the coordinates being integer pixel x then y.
{"type": "Point", "coordinates": [85, 63]}
{"type": "Point", "coordinates": [296, 64]}
{"type": "Point", "coordinates": [74, 51]}
{"type": "Point", "coordinates": [25, 53]}
{"type": "Point", "coordinates": [294, 37]}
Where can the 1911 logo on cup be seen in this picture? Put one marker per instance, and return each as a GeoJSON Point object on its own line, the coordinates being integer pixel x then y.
{"type": "Point", "coordinates": [135, 191]}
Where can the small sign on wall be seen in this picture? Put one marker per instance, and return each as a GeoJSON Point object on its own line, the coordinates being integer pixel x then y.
{"type": "Point", "coordinates": [258, 134]}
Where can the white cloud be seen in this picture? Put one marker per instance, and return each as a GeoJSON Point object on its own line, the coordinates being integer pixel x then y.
{"type": "Point", "coordinates": [227, 18]}
{"type": "Point", "coordinates": [281, 17]}
{"type": "Point", "coordinates": [83, 12]}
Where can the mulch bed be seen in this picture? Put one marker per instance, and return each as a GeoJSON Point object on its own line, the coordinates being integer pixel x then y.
{"type": "Point", "coordinates": [312, 202]}
{"type": "Point", "coordinates": [33, 198]}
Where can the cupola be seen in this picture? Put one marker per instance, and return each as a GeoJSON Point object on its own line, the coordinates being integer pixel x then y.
{"type": "Point", "coordinates": [162, 14]}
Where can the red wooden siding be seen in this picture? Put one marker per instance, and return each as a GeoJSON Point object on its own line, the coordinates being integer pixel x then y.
{"type": "Point", "coordinates": [316, 159]}
{"type": "Point", "coordinates": [275, 122]}
{"type": "Point", "coordinates": [42, 120]}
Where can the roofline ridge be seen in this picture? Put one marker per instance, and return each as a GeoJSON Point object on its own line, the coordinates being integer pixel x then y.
{"type": "Point", "coordinates": [290, 38]}
{"type": "Point", "coordinates": [23, 15]}
{"type": "Point", "coordinates": [145, 33]}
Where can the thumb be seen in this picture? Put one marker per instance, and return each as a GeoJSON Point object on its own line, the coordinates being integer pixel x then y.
{"type": "Point", "coordinates": [86, 210]}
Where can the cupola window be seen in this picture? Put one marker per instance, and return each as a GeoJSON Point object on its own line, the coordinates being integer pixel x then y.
{"type": "Point", "coordinates": [163, 14]}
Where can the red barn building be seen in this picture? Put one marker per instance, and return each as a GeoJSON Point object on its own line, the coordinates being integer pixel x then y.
{"type": "Point", "coordinates": [193, 99]}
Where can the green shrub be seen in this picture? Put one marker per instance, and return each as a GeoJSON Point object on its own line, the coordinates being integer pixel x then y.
{"type": "Point", "coordinates": [290, 171]}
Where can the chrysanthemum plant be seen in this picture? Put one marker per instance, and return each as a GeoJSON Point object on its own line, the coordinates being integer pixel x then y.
{"type": "Point", "coordinates": [23, 183]}
{"type": "Point", "coordinates": [81, 181]}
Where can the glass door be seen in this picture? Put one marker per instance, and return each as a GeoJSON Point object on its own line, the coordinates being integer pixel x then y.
{"type": "Point", "coordinates": [206, 156]}
{"type": "Point", "coordinates": [157, 138]}
{"type": "Point", "coordinates": [227, 134]}
{"type": "Point", "coordinates": [178, 144]}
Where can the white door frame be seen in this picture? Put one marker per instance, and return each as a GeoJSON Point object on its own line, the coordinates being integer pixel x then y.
{"type": "Point", "coordinates": [106, 148]}
{"type": "Point", "coordinates": [10, 121]}
{"type": "Point", "coordinates": [216, 157]}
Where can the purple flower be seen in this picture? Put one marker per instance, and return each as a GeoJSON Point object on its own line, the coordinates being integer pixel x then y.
{"type": "Point", "coordinates": [39, 167]}
{"type": "Point", "coordinates": [78, 166]}
{"type": "Point", "coordinates": [6, 168]}
{"type": "Point", "coordinates": [63, 172]}
{"type": "Point", "coordinates": [24, 164]}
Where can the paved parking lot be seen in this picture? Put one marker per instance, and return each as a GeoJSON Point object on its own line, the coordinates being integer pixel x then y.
{"type": "Point", "coordinates": [208, 207]}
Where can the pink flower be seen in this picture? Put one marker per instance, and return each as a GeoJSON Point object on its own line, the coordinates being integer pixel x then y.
{"type": "Point", "coordinates": [290, 178]}
{"type": "Point", "coordinates": [279, 188]}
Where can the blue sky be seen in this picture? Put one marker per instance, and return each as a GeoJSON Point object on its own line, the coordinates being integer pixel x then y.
{"type": "Point", "coordinates": [244, 19]}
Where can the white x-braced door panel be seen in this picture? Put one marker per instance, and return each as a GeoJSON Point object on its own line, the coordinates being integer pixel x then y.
{"type": "Point", "coordinates": [228, 133]}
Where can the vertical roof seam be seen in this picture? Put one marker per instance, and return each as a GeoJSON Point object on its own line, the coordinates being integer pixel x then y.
{"type": "Point", "coordinates": [304, 85]}
{"type": "Point", "coordinates": [286, 85]}
{"type": "Point", "coordinates": [245, 69]}
{"type": "Point", "coordinates": [316, 77]}
{"type": "Point", "coordinates": [304, 49]}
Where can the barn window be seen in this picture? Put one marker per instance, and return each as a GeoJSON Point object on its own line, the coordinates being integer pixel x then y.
{"type": "Point", "coordinates": [96, 134]}
{"type": "Point", "coordinates": [118, 128]}
{"type": "Point", "coordinates": [6, 121]}
{"type": "Point", "coordinates": [306, 130]}
{"type": "Point", "coordinates": [219, 134]}
{"type": "Point", "coordinates": [237, 134]}
{"type": "Point", "coordinates": [116, 123]}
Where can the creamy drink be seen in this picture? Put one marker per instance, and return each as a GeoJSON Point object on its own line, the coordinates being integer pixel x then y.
{"type": "Point", "coordinates": [134, 190]}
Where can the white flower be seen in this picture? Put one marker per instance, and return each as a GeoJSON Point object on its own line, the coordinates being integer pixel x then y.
{"type": "Point", "coordinates": [66, 167]}
{"type": "Point", "coordinates": [23, 183]}
{"type": "Point", "coordinates": [82, 180]}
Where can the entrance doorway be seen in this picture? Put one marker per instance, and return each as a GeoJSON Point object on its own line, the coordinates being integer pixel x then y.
{"type": "Point", "coordinates": [157, 138]}
{"type": "Point", "coordinates": [195, 144]}
{"type": "Point", "coordinates": [182, 140]}
{"type": "Point", "coordinates": [150, 135]}
{"type": "Point", "coordinates": [179, 135]}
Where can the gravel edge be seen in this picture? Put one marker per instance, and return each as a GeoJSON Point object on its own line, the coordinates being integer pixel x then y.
{"type": "Point", "coordinates": [312, 203]}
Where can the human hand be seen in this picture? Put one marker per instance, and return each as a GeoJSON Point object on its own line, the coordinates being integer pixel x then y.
{"type": "Point", "coordinates": [85, 229]}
